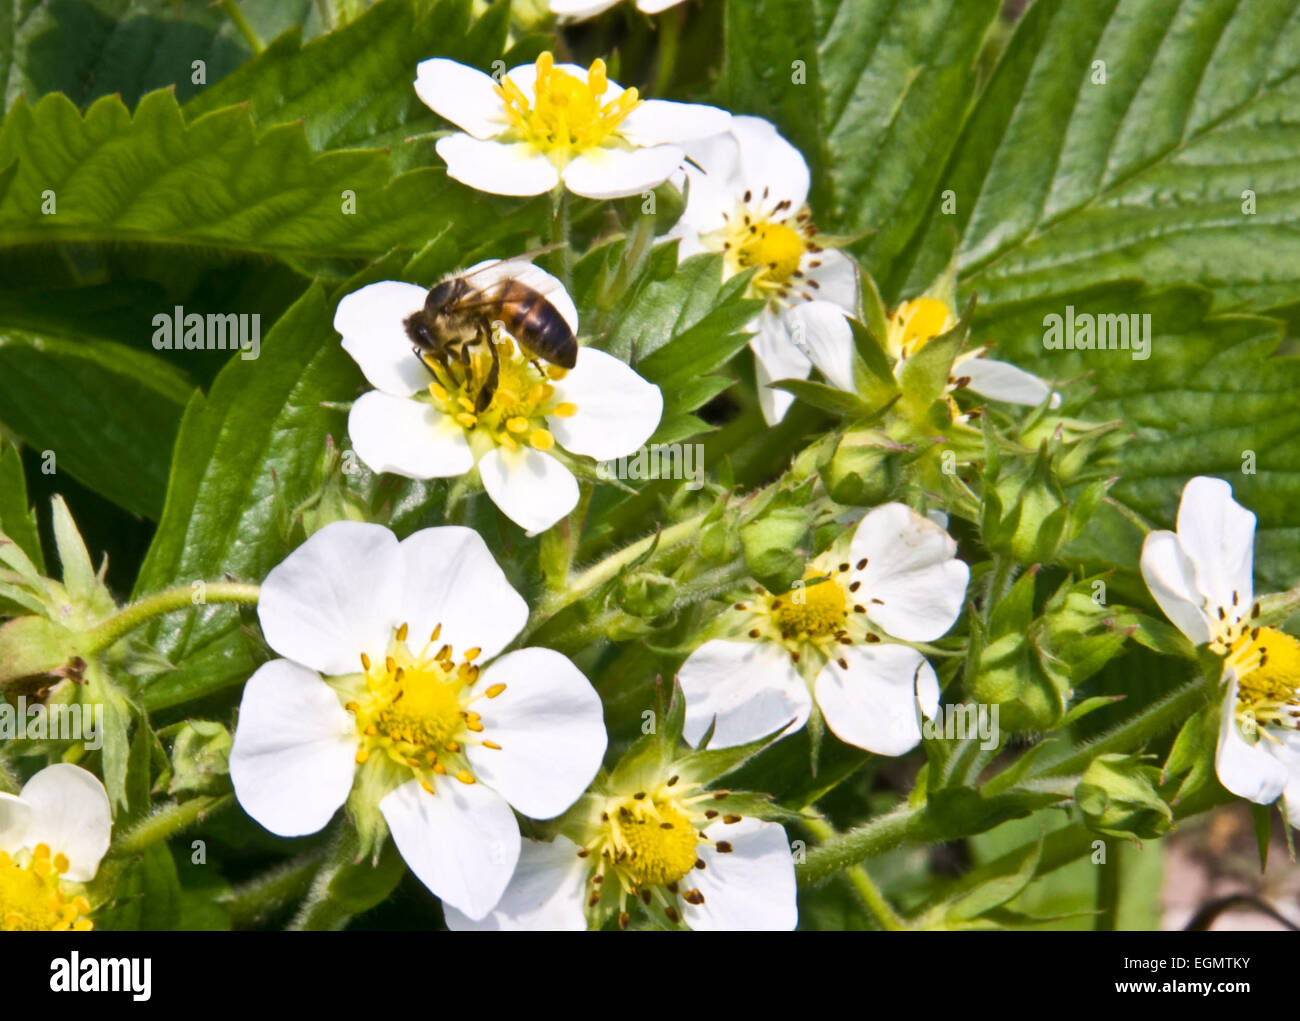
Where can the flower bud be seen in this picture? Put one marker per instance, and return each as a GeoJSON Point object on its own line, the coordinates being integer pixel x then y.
{"type": "Point", "coordinates": [863, 470]}
{"type": "Point", "coordinates": [1117, 796]}
{"type": "Point", "coordinates": [646, 594]}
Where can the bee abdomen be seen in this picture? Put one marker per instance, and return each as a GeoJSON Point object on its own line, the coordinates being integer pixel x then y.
{"type": "Point", "coordinates": [532, 318]}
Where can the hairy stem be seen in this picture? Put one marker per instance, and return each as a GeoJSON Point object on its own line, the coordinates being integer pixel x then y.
{"type": "Point", "coordinates": [872, 899]}
{"type": "Point", "coordinates": [106, 632]}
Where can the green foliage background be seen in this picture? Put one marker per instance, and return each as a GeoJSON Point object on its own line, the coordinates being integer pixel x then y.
{"type": "Point", "coordinates": [1123, 196]}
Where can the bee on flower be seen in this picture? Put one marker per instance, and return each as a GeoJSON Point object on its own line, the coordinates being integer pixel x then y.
{"type": "Point", "coordinates": [547, 125]}
{"type": "Point", "coordinates": [53, 835]}
{"type": "Point", "coordinates": [837, 640]}
{"type": "Point", "coordinates": [494, 407]}
{"type": "Point", "coordinates": [393, 696]}
{"type": "Point", "coordinates": [1202, 576]}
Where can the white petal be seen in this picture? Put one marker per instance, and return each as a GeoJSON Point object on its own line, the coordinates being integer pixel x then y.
{"type": "Point", "coordinates": [748, 889]}
{"type": "Point", "coordinates": [499, 168]}
{"type": "Point", "coordinates": [1171, 579]}
{"type": "Point", "coordinates": [836, 277]}
{"type": "Point", "coordinates": [825, 337]}
{"type": "Point", "coordinates": [545, 894]}
{"type": "Point", "coordinates": [1287, 752]}
{"type": "Point", "coordinates": [294, 755]}
{"type": "Point", "coordinates": [657, 121]}
{"type": "Point", "coordinates": [71, 814]}
{"type": "Point", "coordinates": [617, 409]}
{"type": "Point", "coordinates": [999, 381]}
{"type": "Point", "coordinates": [774, 170]}
{"type": "Point", "coordinates": [463, 95]}
{"type": "Point", "coordinates": [407, 437]}
{"type": "Point", "coordinates": [490, 271]}
{"type": "Point", "coordinates": [532, 488]}
{"type": "Point", "coordinates": [912, 570]}
{"type": "Point", "coordinates": [751, 687]}
{"type": "Point", "coordinates": [461, 842]}
{"type": "Point", "coordinates": [776, 357]}
{"type": "Point", "coordinates": [333, 598]}
{"type": "Point", "coordinates": [605, 173]}
{"type": "Point", "coordinates": [1218, 535]}
{"type": "Point", "coordinates": [1246, 769]}
{"type": "Point", "coordinates": [577, 10]}
{"type": "Point", "coordinates": [714, 185]}
{"type": "Point", "coordinates": [371, 321]}
{"type": "Point", "coordinates": [450, 578]}
{"type": "Point", "coordinates": [15, 818]}
{"type": "Point", "coordinates": [873, 703]}
{"type": "Point", "coordinates": [551, 728]}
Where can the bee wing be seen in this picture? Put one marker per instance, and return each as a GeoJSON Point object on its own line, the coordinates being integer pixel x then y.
{"type": "Point", "coordinates": [486, 275]}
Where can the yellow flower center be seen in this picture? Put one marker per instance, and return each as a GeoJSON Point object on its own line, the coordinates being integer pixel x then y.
{"type": "Point", "coordinates": [826, 610]}
{"type": "Point", "coordinates": [660, 841]}
{"type": "Point", "coordinates": [915, 323]}
{"type": "Point", "coordinates": [647, 846]}
{"type": "Point", "coordinates": [813, 610]}
{"type": "Point", "coordinates": [775, 247]}
{"type": "Point", "coordinates": [1267, 663]}
{"type": "Point", "coordinates": [566, 115]}
{"type": "Point", "coordinates": [521, 398]}
{"type": "Point", "coordinates": [415, 711]}
{"type": "Point", "coordinates": [32, 898]}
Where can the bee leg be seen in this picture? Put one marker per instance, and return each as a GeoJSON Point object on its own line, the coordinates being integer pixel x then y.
{"type": "Point", "coordinates": [489, 386]}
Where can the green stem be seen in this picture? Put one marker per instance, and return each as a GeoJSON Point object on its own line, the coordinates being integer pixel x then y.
{"type": "Point", "coordinates": [844, 850]}
{"type": "Point", "coordinates": [607, 570]}
{"type": "Point", "coordinates": [1134, 732]}
{"type": "Point", "coordinates": [106, 632]}
{"type": "Point", "coordinates": [1108, 890]}
{"type": "Point", "coordinates": [560, 234]}
{"type": "Point", "coordinates": [167, 821]}
{"type": "Point", "coordinates": [231, 7]}
{"type": "Point", "coordinates": [874, 901]}
{"type": "Point", "coordinates": [272, 892]}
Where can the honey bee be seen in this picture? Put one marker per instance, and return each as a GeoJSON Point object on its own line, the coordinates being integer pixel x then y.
{"type": "Point", "coordinates": [458, 316]}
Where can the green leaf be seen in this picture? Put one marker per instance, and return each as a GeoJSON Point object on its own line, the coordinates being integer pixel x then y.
{"type": "Point", "coordinates": [353, 86]}
{"type": "Point", "coordinates": [261, 417]}
{"type": "Point", "coordinates": [828, 398]}
{"type": "Point", "coordinates": [1062, 182]}
{"type": "Point", "coordinates": [150, 178]}
{"type": "Point", "coordinates": [108, 413]}
{"type": "Point", "coordinates": [17, 519]}
{"type": "Point", "coordinates": [885, 87]}
{"type": "Point", "coordinates": [1213, 398]}
{"type": "Point", "coordinates": [91, 48]}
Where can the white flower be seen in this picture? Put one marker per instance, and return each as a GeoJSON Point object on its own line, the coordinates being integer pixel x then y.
{"type": "Point", "coordinates": [54, 833]}
{"type": "Point", "coordinates": [672, 845]}
{"type": "Point", "coordinates": [913, 324]}
{"type": "Point", "coordinates": [548, 123]}
{"type": "Point", "coordinates": [823, 640]}
{"type": "Point", "coordinates": [420, 420]}
{"type": "Point", "coordinates": [382, 687]}
{"type": "Point", "coordinates": [1202, 577]}
{"type": "Point", "coordinates": [747, 198]}
{"type": "Point", "coordinates": [580, 10]}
